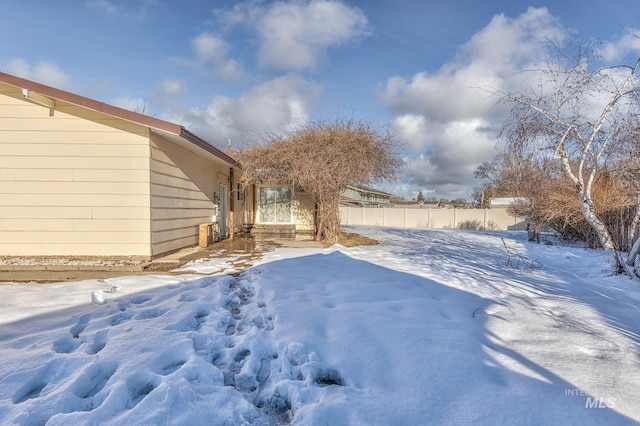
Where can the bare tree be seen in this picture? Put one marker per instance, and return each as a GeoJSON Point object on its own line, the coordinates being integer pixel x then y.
{"type": "Point", "coordinates": [323, 158]}
{"type": "Point", "coordinates": [578, 116]}
{"type": "Point", "coordinates": [505, 175]}
{"type": "Point", "coordinates": [629, 167]}
{"type": "Point", "coordinates": [549, 198]}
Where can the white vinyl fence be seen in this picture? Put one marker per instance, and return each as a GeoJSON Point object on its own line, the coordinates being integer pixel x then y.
{"type": "Point", "coordinates": [497, 218]}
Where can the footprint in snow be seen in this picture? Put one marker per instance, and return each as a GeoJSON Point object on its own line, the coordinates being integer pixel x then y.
{"type": "Point", "coordinates": [235, 311]}
{"type": "Point", "coordinates": [171, 367]}
{"type": "Point", "coordinates": [29, 390]}
{"type": "Point", "coordinates": [99, 342]}
{"type": "Point", "coordinates": [297, 360]}
{"type": "Point", "coordinates": [151, 313]}
{"type": "Point", "coordinates": [230, 330]}
{"type": "Point", "coordinates": [80, 326]}
{"type": "Point", "coordinates": [208, 282]}
{"type": "Point", "coordinates": [123, 305]}
{"type": "Point", "coordinates": [139, 300]}
{"type": "Point", "coordinates": [227, 284]}
{"type": "Point", "coordinates": [171, 360]}
{"type": "Point", "coordinates": [120, 318]}
{"type": "Point", "coordinates": [200, 317]}
{"type": "Point", "coordinates": [34, 386]}
{"type": "Point", "coordinates": [93, 379]}
{"type": "Point", "coordinates": [327, 377]}
{"type": "Point", "coordinates": [65, 345]}
{"type": "Point", "coordinates": [139, 386]}
{"type": "Point", "coordinates": [193, 322]}
{"type": "Point", "coordinates": [188, 297]}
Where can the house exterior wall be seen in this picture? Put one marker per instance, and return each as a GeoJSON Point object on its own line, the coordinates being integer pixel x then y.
{"type": "Point", "coordinates": [303, 212]}
{"type": "Point", "coordinates": [72, 181]}
{"type": "Point", "coordinates": [183, 184]}
{"type": "Point", "coordinates": [353, 194]}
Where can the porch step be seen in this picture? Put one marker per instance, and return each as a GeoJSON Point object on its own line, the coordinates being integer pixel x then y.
{"type": "Point", "coordinates": [275, 230]}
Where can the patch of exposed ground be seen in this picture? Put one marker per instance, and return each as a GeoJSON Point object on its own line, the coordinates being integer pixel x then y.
{"type": "Point", "coordinates": [72, 262]}
{"type": "Point", "coordinates": [243, 250]}
{"type": "Point", "coordinates": [349, 239]}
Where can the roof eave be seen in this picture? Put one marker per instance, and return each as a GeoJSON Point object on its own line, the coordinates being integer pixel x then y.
{"type": "Point", "coordinates": [124, 114]}
{"type": "Point", "coordinates": [198, 141]}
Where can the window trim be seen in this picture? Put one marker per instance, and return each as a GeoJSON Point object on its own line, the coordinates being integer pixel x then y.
{"type": "Point", "coordinates": [258, 215]}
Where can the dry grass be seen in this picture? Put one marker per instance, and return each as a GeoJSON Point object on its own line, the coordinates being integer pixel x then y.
{"type": "Point", "coordinates": [348, 239]}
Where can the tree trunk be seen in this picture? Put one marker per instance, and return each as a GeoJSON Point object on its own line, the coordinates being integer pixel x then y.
{"type": "Point", "coordinates": [588, 208]}
{"type": "Point", "coordinates": [589, 212]}
{"type": "Point", "coordinates": [633, 253]}
{"type": "Point", "coordinates": [321, 220]}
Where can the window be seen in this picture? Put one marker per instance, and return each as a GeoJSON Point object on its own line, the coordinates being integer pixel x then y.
{"type": "Point", "coordinates": [274, 204]}
{"type": "Point", "coordinates": [239, 192]}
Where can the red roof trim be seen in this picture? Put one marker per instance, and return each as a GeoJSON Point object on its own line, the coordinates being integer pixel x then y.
{"type": "Point", "coordinates": [198, 141]}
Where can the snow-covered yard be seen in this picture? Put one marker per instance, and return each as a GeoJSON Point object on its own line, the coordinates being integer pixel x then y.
{"type": "Point", "coordinates": [429, 327]}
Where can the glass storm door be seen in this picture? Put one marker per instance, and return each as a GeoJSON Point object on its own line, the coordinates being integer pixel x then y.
{"type": "Point", "coordinates": [224, 206]}
{"type": "Point", "coordinates": [274, 204]}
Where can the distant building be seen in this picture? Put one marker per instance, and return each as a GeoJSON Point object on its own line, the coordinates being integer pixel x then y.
{"type": "Point", "coordinates": [503, 201]}
{"type": "Point", "coordinates": [365, 197]}
{"type": "Point", "coordinates": [417, 204]}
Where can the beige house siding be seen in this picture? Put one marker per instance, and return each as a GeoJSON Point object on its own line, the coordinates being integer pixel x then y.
{"type": "Point", "coordinates": [303, 212]}
{"type": "Point", "coordinates": [72, 181]}
{"type": "Point", "coordinates": [182, 187]}
{"type": "Point", "coordinates": [80, 177]}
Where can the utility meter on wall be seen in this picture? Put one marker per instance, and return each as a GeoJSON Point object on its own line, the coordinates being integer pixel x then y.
{"type": "Point", "coordinates": [216, 213]}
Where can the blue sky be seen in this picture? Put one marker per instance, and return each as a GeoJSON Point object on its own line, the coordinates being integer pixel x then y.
{"type": "Point", "coordinates": [234, 70]}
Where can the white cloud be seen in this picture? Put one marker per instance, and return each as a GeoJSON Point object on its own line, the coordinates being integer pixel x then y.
{"type": "Point", "coordinates": [43, 72]}
{"type": "Point", "coordinates": [615, 52]}
{"type": "Point", "coordinates": [448, 118]}
{"type": "Point", "coordinates": [295, 35]}
{"type": "Point", "coordinates": [411, 129]}
{"type": "Point", "coordinates": [133, 11]}
{"type": "Point", "coordinates": [277, 105]}
{"type": "Point", "coordinates": [242, 13]}
{"type": "Point", "coordinates": [173, 86]}
{"type": "Point", "coordinates": [211, 57]}
{"type": "Point", "coordinates": [104, 6]}
{"type": "Point", "coordinates": [131, 103]}
{"type": "Point", "coordinates": [169, 96]}
{"type": "Point", "coordinates": [298, 35]}
{"type": "Point", "coordinates": [460, 147]}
